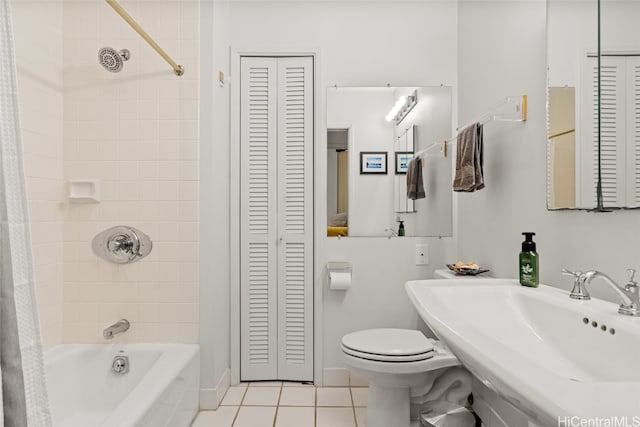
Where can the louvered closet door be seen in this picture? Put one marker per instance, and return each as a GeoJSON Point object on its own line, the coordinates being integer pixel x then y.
{"type": "Point", "coordinates": [633, 131]}
{"type": "Point", "coordinates": [276, 172]}
{"type": "Point", "coordinates": [258, 273]}
{"type": "Point", "coordinates": [586, 160]}
{"type": "Point", "coordinates": [620, 132]}
{"type": "Point", "coordinates": [612, 131]}
{"type": "Point", "coordinates": [295, 223]}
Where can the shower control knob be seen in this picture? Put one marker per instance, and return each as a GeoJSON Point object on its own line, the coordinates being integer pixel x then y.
{"type": "Point", "coordinates": [122, 244]}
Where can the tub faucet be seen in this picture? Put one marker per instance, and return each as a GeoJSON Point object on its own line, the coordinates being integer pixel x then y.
{"type": "Point", "coordinates": [628, 294]}
{"type": "Point", "coordinates": [119, 327]}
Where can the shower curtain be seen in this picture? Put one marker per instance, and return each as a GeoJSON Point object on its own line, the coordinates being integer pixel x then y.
{"type": "Point", "coordinates": [23, 395]}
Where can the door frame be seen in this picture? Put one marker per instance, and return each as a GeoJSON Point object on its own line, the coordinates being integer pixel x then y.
{"type": "Point", "coordinates": [234, 202]}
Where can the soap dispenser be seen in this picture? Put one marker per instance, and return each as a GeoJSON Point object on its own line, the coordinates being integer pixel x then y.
{"type": "Point", "coordinates": [529, 261]}
{"type": "Point", "coordinates": [401, 229]}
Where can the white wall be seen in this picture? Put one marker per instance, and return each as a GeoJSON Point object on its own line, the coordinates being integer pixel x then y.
{"type": "Point", "coordinates": [402, 43]}
{"type": "Point", "coordinates": [491, 220]}
{"type": "Point", "coordinates": [377, 297]}
{"type": "Point", "coordinates": [37, 29]}
{"type": "Point", "coordinates": [214, 203]}
{"type": "Point", "coordinates": [137, 132]}
{"type": "Point", "coordinates": [373, 43]}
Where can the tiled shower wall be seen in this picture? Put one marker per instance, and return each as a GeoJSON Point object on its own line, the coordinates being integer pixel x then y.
{"type": "Point", "coordinates": [137, 133]}
{"type": "Point", "coordinates": [38, 46]}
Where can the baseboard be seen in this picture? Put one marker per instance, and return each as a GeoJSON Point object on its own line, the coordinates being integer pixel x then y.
{"type": "Point", "coordinates": [341, 377]}
{"type": "Point", "coordinates": [210, 398]}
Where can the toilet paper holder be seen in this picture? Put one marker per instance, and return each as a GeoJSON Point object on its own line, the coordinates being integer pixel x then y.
{"type": "Point", "coordinates": [339, 273]}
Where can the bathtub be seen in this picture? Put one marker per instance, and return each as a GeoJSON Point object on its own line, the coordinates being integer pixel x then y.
{"type": "Point", "coordinates": [160, 390]}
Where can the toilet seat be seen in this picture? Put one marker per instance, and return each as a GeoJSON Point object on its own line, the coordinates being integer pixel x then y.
{"type": "Point", "coordinates": [385, 358]}
{"type": "Point", "coordinates": [388, 345]}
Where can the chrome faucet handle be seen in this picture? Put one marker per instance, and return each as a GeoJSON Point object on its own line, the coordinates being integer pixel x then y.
{"type": "Point", "coordinates": [631, 286]}
{"type": "Point", "coordinates": [575, 274]}
{"type": "Point", "coordinates": [579, 290]}
{"type": "Point", "coordinates": [632, 274]}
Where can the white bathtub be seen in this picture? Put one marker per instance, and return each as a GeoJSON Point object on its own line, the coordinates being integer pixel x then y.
{"type": "Point", "coordinates": [160, 390]}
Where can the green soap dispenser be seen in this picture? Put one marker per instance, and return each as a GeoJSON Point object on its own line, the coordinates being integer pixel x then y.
{"type": "Point", "coordinates": [529, 262]}
{"type": "Point", "coordinates": [401, 229]}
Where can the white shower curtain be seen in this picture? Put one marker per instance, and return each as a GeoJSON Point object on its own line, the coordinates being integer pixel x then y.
{"type": "Point", "coordinates": [23, 395]}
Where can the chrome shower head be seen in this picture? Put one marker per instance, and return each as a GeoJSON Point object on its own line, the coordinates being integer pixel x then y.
{"type": "Point", "coordinates": [113, 60]}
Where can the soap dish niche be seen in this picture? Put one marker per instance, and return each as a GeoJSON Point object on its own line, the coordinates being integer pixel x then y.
{"type": "Point", "coordinates": [84, 191]}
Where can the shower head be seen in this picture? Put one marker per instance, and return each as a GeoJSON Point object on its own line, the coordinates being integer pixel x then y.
{"type": "Point", "coordinates": [111, 59]}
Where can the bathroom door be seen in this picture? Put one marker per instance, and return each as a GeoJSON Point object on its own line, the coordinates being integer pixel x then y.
{"type": "Point", "coordinates": [276, 242]}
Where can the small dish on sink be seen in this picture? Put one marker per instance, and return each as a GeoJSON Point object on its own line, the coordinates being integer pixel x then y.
{"type": "Point", "coordinates": [470, 269]}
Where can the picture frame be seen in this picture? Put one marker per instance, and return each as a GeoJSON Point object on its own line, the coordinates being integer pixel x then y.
{"type": "Point", "coordinates": [402, 161]}
{"type": "Point", "coordinates": [373, 162]}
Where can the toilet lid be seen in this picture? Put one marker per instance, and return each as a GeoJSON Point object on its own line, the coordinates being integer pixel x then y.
{"type": "Point", "coordinates": [388, 342]}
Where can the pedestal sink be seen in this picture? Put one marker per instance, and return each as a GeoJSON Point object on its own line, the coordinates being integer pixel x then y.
{"type": "Point", "coordinates": [554, 358]}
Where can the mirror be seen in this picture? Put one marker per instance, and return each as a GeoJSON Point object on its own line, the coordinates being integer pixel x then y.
{"type": "Point", "coordinates": [576, 164]}
{"type": "Point", "coordinates": [368, 156]}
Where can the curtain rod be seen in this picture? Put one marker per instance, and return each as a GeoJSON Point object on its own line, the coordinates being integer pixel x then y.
{"type": "Point", "coordinates": [177, 69]}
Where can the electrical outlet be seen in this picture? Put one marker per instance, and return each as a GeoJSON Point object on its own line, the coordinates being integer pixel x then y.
{"type": "Point", "coordinates": [422, 254]}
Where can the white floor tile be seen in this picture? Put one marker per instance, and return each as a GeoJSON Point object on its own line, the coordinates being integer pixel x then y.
{"type": "Point", "coordinates": [255, 416]}
{"type": "Point", "coordinates": [295, 417]}
{"type": "Point", "coordinates": [296, 384]}
{"type": "Point", "coordinates": [261, 396]}
{"type": "Point", "coordinates": [333, 396]}
{"type": "Point", "coordinates": [359, 395]}
{"type": "Point", "coordinates": [234, 395]}
{"type": "Point", "coordinates": [361, 417]}
{"type": "Point", "coordinates": [265, 384]}
{"type": "Point", "coordinates": [221, 417]}
{"type": "Point", "coordinates": [298, 396]}
{"type": "Point", "coordinates": [335, 417]}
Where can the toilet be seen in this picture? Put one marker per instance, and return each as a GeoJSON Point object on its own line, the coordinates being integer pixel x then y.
{"type": "Point", "coordinates": [393, 361]}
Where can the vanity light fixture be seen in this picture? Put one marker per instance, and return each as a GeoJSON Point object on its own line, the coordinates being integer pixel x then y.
{"type": "Point", "coordinates": [402, 107]}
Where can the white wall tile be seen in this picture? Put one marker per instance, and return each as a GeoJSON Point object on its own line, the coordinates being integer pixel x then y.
{"type": "Point", "coordinates": [38, 43]}
{"type": "Point", "coordinates": [126, 129]}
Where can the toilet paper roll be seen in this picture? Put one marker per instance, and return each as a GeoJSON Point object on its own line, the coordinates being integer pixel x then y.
{"type": "Point", "coordinates": [339, 280]}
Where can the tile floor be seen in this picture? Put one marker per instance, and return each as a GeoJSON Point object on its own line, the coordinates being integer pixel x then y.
{"type": "Point", "coordinates": [278, 404]}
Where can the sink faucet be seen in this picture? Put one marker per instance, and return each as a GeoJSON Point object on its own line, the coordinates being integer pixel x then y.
{"type": "Point", "coordinates": [391, 233]}
{"type": "Point", "coordinates": [629, 295]}
{"type": "Point", "coordinates": [119, 327]}
{"type": "Point", "coordinates": [579, 290]}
